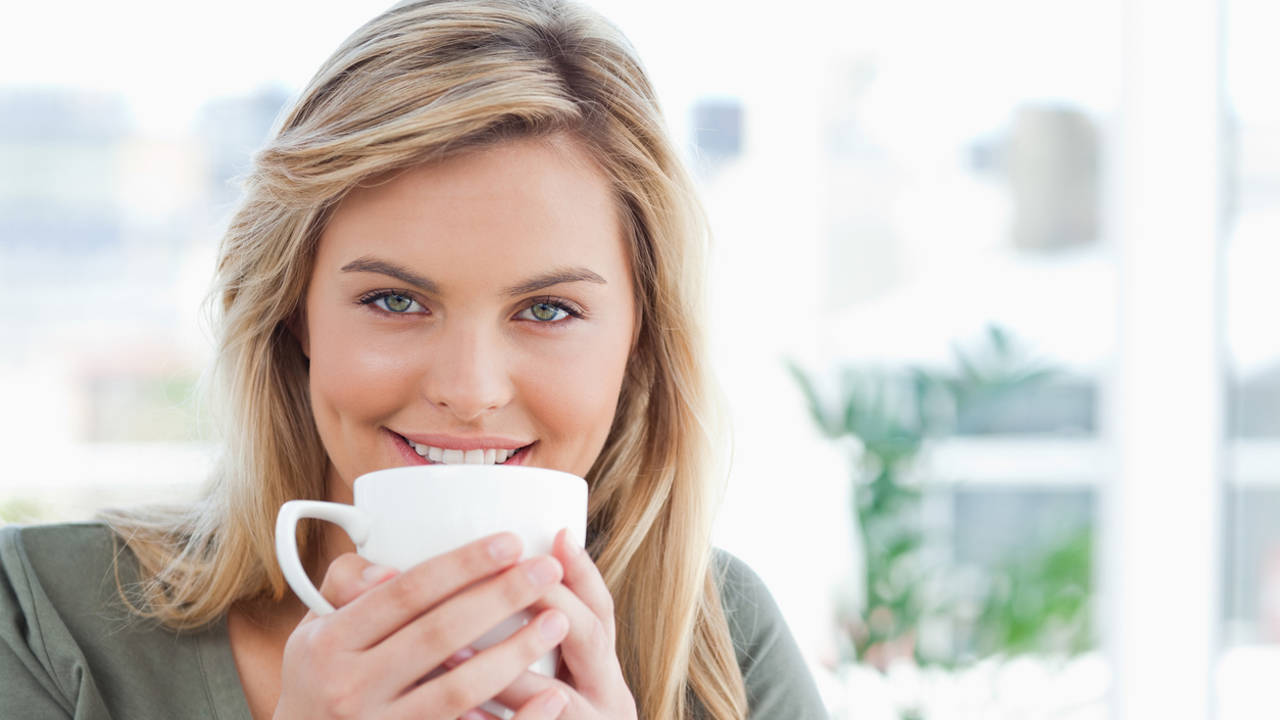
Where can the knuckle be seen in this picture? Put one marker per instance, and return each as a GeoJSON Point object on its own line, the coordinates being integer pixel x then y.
{"type": "Point", "coordinates": [341, 698]}
{"type": "Point", "coordinates": [514, 589]}
{"type": "Point", "coordinates": [432, 636]}
{"type": "Point", "coordinates": [476, 557]}
{"type": "Point", "coordinates": [343, 572]}
{"type": "Point", "coordinates": [606, 606]}
{"type": "Point", "coordinates": [407, 591]}
{"type": "Point", "coordinates": [598, 638]}
{"type": "Point", "coordinates": [321, 642]}
{"type": "Point", "coordinates": [470, 564]}
{"type": "Point", "coordinates": [533, 646]}
{"type": "Point", "coordinates": [454, 698]}
{"type": "Point", "coordinates": [349, 563]}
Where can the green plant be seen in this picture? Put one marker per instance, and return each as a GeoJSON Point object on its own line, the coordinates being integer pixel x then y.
{"type": "Point", "coordinates": [1039, 603]}
{"type": "Point", "coordinates": [893, 414]}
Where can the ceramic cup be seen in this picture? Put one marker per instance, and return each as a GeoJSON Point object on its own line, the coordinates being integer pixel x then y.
{"type": "Point", "coordinates": [403, 516]}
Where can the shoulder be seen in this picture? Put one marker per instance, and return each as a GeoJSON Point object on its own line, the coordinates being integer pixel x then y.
{"type": "Point", "coordinates": [69, 563]}
{"type": "Point", "coordinates": [749, 607]}
{"type": "Point", "coordinates": [51, 541]}
{"type": "Point", "coordinates": [64, 627]}
{"type": "Point", "coordinates": [777, 679]}
{"type": "Point", "coordinates": [56, 587]}
{"type": "Point", "coordinates": [46, 549]}
{"type": "Point", "coordinates": [66, 576]}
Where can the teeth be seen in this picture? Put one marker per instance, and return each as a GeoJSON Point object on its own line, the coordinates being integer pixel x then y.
{"type": "Point", "coordinates": [486, 456]}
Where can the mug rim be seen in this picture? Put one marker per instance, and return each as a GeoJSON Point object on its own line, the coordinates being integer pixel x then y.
{"type": "Point", "coordinates": [394, 473]}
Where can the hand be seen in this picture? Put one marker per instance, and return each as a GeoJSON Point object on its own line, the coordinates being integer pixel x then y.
{"type": "Point", "coordinates": [381, 653]}
{"type": "Point", "coordinates": [589, 685]}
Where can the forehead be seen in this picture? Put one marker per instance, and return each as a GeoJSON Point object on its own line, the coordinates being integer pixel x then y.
{"type": "Point", "coordinates": [519, 202]}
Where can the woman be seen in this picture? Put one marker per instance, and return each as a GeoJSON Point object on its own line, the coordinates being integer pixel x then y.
{"type": "Point", "coordinates": [471, 233]}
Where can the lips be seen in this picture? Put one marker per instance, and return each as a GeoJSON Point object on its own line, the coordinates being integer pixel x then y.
{"type": "Point", "coordinates": [441, 454]}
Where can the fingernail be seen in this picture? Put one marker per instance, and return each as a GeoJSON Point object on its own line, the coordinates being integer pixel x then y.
{"type": "Point", "coordinates": [375, 574]}
{"type": "Point", "coordinates": [556, 702]}
{"type": "Point", "coordinates": [472, 715]}
{"type": "Point", "coordinates": [504, 548]}
{"type": "Point", "coordinates": [543, 571]}
{"type": "Point", "coordinates": [553, 626]}
{"type": "Point", "coordinates": [460, 657]}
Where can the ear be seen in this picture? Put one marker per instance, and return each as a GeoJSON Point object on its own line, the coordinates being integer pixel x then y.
{"type": "Point", "coordinates": [297, 326]}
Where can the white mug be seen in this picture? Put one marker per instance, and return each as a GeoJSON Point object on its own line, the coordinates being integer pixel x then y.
{"type": "Point", "coordinates": [403, 516]}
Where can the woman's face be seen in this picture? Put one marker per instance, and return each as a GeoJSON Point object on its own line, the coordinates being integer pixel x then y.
{"type": "Point", "coordinates": [478, 310]}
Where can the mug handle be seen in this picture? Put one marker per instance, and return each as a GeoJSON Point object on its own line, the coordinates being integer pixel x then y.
{"type": "Point", "coordinates": [347, 517]}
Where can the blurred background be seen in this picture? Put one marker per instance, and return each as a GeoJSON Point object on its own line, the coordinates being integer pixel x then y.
{"type": "Point", "coordinates": [993, 314]}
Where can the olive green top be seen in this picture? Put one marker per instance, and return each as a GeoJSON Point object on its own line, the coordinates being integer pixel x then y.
{"type": "Point", "coordinates": [70, 649]}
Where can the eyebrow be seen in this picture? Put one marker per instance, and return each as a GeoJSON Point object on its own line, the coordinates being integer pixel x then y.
{"type": "Point", "coordinates": [382, 267]}
{"type": "Point", "coordinates": [545, 280]}
{"type": "Point", "coordinates": [554, 277]}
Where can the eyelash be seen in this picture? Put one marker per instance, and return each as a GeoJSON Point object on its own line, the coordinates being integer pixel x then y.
{"type": "Point", "coordinates": [573, 310]}
{"type": "Point", "coordinates": [373, 296]}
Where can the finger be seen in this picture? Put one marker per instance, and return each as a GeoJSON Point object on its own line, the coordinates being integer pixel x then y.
{"type": "Point", "coordinates": [545, 706]}
{"type": "Point", "coordinates": [389, 606]}
{"type": "Point", "coordinates": [349, 575]}
{"type": "Point", "coordinates": [583, 577]}
{"type": "Point", "coordinates": [478, 714]}
{"type": "Point", "coordinates": [526, 688]}
{"type": "Point", "coordinates": [588, 649]}
{"type": "Point", "coordinates": [486, 674]}
{"type": "Point", "coordinates": [441, 635]}
{"type": "Point", "coordinates": [530, 689]}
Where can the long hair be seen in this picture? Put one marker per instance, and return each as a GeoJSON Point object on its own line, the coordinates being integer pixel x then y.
{"type": "Point", "coordinates": [423, 82]}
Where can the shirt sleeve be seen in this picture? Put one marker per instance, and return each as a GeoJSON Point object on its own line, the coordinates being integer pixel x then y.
{"type": "Point", "coordinates": [40, 675]}
{"type": "Point", "coordinates": [779, 686]}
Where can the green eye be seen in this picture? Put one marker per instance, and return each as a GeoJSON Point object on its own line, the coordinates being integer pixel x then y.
{"type": "Point", "coordinates": [398, 303]}
{"type": "Point", "coordinates": [551, 312]}
{"type": "Point", "coordinates": [393, 302]}
{"type": "Point", "coordinates": [545, 311]}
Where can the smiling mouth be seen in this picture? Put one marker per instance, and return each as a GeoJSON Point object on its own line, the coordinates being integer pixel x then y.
{"type": "Point", "coordinates": [481, 456]}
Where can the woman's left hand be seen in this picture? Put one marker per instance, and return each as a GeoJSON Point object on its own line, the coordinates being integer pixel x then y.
{"type": "Point", "coordinates": [590, 685]}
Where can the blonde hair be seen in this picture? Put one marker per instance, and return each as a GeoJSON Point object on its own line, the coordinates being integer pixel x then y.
{"type": "Point", "coordinates": [422, 82]}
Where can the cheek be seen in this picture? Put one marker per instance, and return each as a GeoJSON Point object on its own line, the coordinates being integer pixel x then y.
{"type": "Point", "coordinates": [353, 378]}
{"type": "Point", "coordinates": [573, 397]}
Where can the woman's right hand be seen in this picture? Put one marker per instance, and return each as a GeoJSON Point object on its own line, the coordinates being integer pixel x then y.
{"type": "Point", "coordinates": [369, 658]}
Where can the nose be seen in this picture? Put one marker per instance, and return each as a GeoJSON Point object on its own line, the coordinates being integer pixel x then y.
{"type": "Point", "coordinates": [467, 374]}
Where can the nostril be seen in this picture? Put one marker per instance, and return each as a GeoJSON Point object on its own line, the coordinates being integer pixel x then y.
{"type": "Point", "coordinates": [464, 395]}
